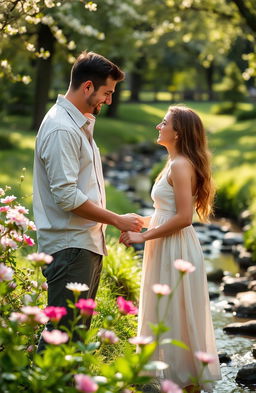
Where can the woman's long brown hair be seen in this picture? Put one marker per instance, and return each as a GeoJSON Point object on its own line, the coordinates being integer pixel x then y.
{"type": "Point", "coordinates": [192, 144]}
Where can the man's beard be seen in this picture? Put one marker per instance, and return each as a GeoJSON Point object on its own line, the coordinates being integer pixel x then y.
{"type": "Point", "coordinates": [97, 108]}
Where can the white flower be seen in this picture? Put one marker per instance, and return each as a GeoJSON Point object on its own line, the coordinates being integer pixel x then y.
{"type": "Point", "coordinates": [77, 287]}
{"type": "Point", "coordinates": [6, 273]}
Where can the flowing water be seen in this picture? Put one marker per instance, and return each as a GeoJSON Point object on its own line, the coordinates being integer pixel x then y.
{"type": "Point", "coordinates": [238, 348]}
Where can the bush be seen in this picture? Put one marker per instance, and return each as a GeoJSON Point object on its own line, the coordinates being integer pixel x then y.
{"type": "Point", "coordinates": [224, 108]}
{"type": "Point", "coordinates": [246, 115]}
{"type": "Point", "coordinates": [6, 143]}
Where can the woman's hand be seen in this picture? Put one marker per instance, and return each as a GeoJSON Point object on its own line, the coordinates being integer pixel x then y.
{"type": "Point", "coordinates": [127, 238]}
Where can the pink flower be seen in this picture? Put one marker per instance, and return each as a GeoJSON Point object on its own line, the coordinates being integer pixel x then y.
{"type": "Point", "coordinates": [40, 258]}
{"type": "Point", "coordinates": [55, 337]}
{"type": "Point", "coordinates": [6, 273]}
{"type": "Point", "coordinates": [205, 357]}
{"type": "Point", "coordinates": [140, 340]}
{"type": "Point", "coordinates": [14, 217]}
{"type": "Point", "coordinates": [30, 348]}
{"type": "Point", "coordinates": [44, 286]}
{"type": "Point", "coordinates": [8, 243]}
{"type": "Point", "coordinates": [85, 384]}
{"type": "Point", "coordinates": [108, 336]}
{"type": "Point", "coordinates": [126, 306]}
{"type": "Point", "coordinates": [21, 209]}
{"type": "Point", "coordinates": [31, 226]}
{"type": "Point", "coordinates": [184, 266]}
{"type": "Point", "coordinates": [86, 306]}
{"type": "Point", "coordinates": [4, 209]}
{"type": "Point", "coordinates": [55, 313]}
{"type": "Point", "coordinates": [168, 386]}
{"type": "Point", "coordinates": [18, 317]}
{"type": "Point", "coordinates": [161, 289]}
{"type": "Point", "coordinates": [15, 236]}
{"type": "Point", "coordinates": [28, 240]}
{"type": "Point", "coordinates": [34, 314]}
{"type": "Point", "coordinates": [8, 199]}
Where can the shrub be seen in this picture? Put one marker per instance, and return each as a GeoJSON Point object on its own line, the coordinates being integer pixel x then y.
{"type": "Point", "coordinates": [246, 115]}
{"type": "Point", "coordinates": [6, 143]}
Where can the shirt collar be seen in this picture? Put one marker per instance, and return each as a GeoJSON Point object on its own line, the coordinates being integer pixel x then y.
{"type": "Point", "coordinates": [77, 116]}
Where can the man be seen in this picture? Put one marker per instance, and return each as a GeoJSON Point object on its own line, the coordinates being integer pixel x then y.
{"type": "Point", "coordinates": [69, 196]}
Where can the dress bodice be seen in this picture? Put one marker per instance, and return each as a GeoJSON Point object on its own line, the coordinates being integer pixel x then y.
{"type": "Point", "coordinates": [163, 195]}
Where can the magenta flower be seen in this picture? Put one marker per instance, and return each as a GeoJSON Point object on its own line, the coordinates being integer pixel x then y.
{"type": "Point", "coordinates": [4, 209]}
{"type": "Point", "coordinates": [55, 313]}
{"type": "Point", "coordinates": [28, 240]}
{"type": "Point", "coordinates": [86, 306]}
{"type": "Point", "coordinates": [55, 337]}
{"type": "Point", "coordinates": [85, 384]}
{"type": "Point", "coordinates": [107, 336]}
{"type": "Point", "coordinates": [168, 386]}
{"type": "Point", "coordinates": [6, 273]}
{"type": "Point", "coordinates": [8, 199]}
{"type": "Point", "coordinates": [161, 289]}
{"type": "Point", "coordinates": [141, 340]}
{"type": "Point", "coordinates": [184, 266]}
{"type": "Point", "coordinates": [40, 259]}
{"type": "Point", "coordinates": [126, 306]}
{"type": "Point", "coordinates": [205, 357]}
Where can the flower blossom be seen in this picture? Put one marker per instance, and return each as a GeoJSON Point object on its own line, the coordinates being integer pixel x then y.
{"type": "Point", "coordinates": [86, 306]}
{"type": "Point", "coordinates": [18, 317]}
{"type": "Point", "coordinates": [55, 337]}
{"type": "Point", "coordinates": [85, 384]}
{"type": "Point", "coordinates": [77, 287]}
{"type": "Point", "coordinates": [141, 340]}
{"type": "Point", "coordinates": [21, 209]}
{"type": "Point", "coordinates": [205, 357]}
{"type": "Point", "coordinates": [107, 336]}
{"type": "Point", "coordinates": [161, 289]}
{"type": "Point", "coordinates": [168, 386]}
{"type": "Point", "coordinates": [40, 258]}
{"type": "Point", "coordinates": [184, 266]}
{"type": "Point", "coordinates": [8, 242]}
{"type": "Point", "coordinates": [2, 192]}
{"type": "Point", "coordinates": [4, 209]}
{"type": "Point", "coordinates": [34, 314]}
{"type": "Point", "coordinates": [8, 199]}
{"type": "Point", "coordinates": [55, 313]}
{"type": "Point", "coordinates": [126, 306]}
{"type": "Point", "coordinates": [6, 273]}
{"type": "Point", "coordinates": [14, 217]}
{"type": "Point", "coordinates": [28, 240]}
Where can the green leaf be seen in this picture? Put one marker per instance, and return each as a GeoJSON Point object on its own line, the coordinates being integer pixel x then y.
{"type": "Point", "coordinates": [180, 344]}
{"type": "Point", "coordinates": [123, 367]}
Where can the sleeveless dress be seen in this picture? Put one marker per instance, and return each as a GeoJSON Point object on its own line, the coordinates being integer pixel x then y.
{"type": "Point", "coordinates": [189, 316]}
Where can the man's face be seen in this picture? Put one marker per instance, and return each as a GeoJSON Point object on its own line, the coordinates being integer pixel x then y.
{"type": "Point", "coordinates": [102, 96]}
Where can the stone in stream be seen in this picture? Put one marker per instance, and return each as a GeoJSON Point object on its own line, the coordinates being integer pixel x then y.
{"type": "Point", "coordinates": [254, 351]}
{"type": "Point", "coordinates": [224, 357]}
{"type": "Point", "coordinates": [244, 260]}
{"type": "Point", "coordinates": [232, 285]}
{"type": "Point", "coordinates": [247, 374]}
{"type": "Point", "coordinates": [252, 285]}
{"type": "Point", "coordinates": [242, 328]}
{"type": "Point", "coordinates": [232, 238]}
{"type": "Point", "coordinates": [246, 305]}
{"type": "Point", "coordinates": [213, 295]}
{"type": "Point", "coordinates": [215, 276]}
{"type": "Point", "coordinates": [251, 273]}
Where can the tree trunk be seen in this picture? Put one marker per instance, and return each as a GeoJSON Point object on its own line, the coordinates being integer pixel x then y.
{"type": "Point", "coordinates": [112, 109]}
{"type": "Point", "coordinates": [136, 79]}
{"type": "Point", "coordinates": [46, 40]}
{"type": "Point", "coordinates": [209, 78]}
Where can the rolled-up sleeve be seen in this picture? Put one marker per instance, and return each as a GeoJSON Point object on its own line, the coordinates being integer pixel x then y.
{"type": "Point", "coordinates": [60, 153]}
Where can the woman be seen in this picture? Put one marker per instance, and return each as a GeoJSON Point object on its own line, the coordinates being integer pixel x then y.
{"type": "Point", "coordinates": [184, 184]}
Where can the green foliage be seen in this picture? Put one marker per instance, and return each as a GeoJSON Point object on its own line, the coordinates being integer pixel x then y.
{"type": "Point", "coordinates": [121, 271]}
{"type": "Point", "coordinates": [223, 108]}
{"type": "Point", "coordinates": [5, 142]}
{"type": "Point", "coordinates": [246, 114]}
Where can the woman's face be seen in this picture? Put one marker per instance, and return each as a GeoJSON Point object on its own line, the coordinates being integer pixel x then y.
{"type": "Point", "coordinates": [167, 136]}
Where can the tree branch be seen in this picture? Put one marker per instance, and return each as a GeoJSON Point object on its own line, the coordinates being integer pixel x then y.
{"type": "Point", "coordinates": [249, 17]}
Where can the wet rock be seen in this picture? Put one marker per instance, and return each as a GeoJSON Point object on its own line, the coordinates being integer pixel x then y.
{"type": "Point", "coordinates": [216, 235]}
{"type": "Point", "coordinates": [232, 238]}
{"type": "Point", "coordinates": [232, 285]}
{"type": "Point", "coordinates": [204, 238]}
{"type": "Point", "coordinates": [226, 249]}
{"type": "Point", "coordinates": [213, 295]}
{"type": "Point", "coordinates": [254, 351]}
{"type": "Point", "coordinates": [252, 285]}
{"type": "Point", "coordinates": [242, 329]}
{"type": "Point", "coordinates": [246, 305]}
{"type": "Point", "coordinates": [251, 273]}
{"type": "Point", "coordinates": [215, 276]}
{"type": "Point", "coordinates": [244, 259]}
{"type": "Point", "coordinates": [216, 227]}
{"type": "Point", "coordinates": [224, 357]}
{"type": "Point", "coordinates": [247, 374]}
{"type": "Point", "coordinates": [245, 217]}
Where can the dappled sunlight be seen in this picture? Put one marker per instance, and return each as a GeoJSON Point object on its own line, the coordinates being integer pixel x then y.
{"type": "Point", "coordinates": [153, 110]}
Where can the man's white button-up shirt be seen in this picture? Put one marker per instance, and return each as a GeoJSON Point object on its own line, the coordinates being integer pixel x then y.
{"type": "Point", "coordinates": [67, 173]}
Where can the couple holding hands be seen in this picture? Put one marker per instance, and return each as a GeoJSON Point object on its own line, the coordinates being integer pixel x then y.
{"type": "Point", "coordinates": [70, 214]}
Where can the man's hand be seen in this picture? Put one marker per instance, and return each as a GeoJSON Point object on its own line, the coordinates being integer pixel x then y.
{"type": "Point", "coordinates": [130, 222]}
{"type": "Point", "coordinates": [129, 238]}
